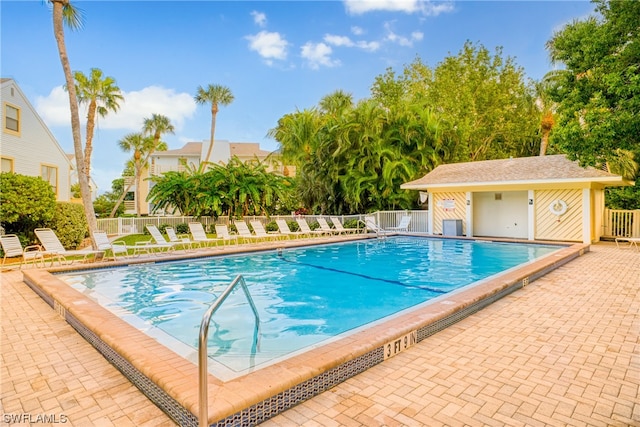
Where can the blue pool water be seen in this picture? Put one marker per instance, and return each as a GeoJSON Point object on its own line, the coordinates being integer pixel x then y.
{"type": "Point", "coordinates": [304, 296]}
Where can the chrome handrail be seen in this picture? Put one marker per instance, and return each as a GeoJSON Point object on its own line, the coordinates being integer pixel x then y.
{"type": "Point", "coordinates": [203, 419]}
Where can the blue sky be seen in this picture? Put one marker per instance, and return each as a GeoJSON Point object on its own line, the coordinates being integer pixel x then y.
{"type": "Point", "coordinates": [275, 56]}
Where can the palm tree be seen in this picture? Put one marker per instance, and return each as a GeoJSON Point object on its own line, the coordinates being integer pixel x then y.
{"type": "Point", "coordinates": [142, 147]}
{"type": "Point", "coordinates": [102, 95]}
{"type": "Point", "coordinates": [156, 126]}
{"type": "Point", "coordinates": [216, 95]}
{"type": "Point", "coordinates": [546, 106]}
{"type": "Point", "coordinates": [66, 14]}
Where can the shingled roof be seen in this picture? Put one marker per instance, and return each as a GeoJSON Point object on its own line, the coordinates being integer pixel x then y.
{"type": "Point", "coordinates": [539, 169]}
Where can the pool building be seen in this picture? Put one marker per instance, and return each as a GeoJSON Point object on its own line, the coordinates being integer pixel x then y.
{"type": "Point", "coordinates": [531, 198]}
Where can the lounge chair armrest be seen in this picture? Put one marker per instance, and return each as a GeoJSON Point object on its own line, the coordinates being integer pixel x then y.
{"type": "Point", "coordinates": [32, 248]}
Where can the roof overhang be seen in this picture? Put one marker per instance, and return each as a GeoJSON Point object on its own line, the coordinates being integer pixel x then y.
{"type": "Point", "coordinates": [569, 183]}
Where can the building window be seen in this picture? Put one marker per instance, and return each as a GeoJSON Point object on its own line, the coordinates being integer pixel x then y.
{"type": "Point", "coordinates": [7, 165]}
{"type": "Point", "coordinates": [11, 119]}
{"type": "Point", "coordinates": [50, 174]}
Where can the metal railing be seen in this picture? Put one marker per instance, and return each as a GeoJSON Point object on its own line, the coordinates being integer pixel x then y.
{"type": "Point", "coordinates": [203, 416]}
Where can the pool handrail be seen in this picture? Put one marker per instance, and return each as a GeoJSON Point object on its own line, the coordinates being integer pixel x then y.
{"type": "Point", "coordinates": [203, 407]}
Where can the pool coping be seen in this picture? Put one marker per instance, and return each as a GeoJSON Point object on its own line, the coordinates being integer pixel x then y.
{"type": "Point", "coordinates": [171, 381]}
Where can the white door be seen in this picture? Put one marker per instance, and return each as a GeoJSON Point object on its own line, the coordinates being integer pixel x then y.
{"type": "Point", "coordinates": [500, 214]}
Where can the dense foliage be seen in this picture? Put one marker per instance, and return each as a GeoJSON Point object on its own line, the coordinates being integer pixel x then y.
{"type": "Point", "coordinates": [69, 224]}
{"type": "Point", "coordinates": [26, 203]}
{"type": "Point", "coordinates": [234, 189]}
{"type": "Point", "coordinates": [353, 158]}
{"type": "Point", "coordinates": [598, 92]}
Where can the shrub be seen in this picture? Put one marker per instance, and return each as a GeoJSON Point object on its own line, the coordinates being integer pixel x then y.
{"type": "Point", "coordinates": [272, 226]}
{"type": "Point", "coordinates": [182, 228]}
{"type": "Point", "coordinates": [350, 223]}
{"type": "Point", "coordinates": [69, 224]}
{"type": "Point", "coordinates": [26, 203]}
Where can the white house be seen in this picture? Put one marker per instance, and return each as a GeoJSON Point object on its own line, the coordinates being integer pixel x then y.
{"type": "Point", "coordinates": [27, 146]}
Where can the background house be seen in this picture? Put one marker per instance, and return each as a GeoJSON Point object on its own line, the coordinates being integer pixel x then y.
{"type": "Point", "coordinates": [534, 198]}
{"type": "Point", "coordinates": [27, 146]}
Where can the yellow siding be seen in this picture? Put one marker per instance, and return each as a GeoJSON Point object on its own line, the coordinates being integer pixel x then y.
{"type": "Point", "coordinates": [558, 227]}
{"type": "Point", "coordinates": [439, 213]}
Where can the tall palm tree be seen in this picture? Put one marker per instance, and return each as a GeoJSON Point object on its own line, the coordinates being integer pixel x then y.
{"type": "Point", "coordinates": [66, 14]}
{"type": "Point", "coordinates": [215, 95]}
{"type": "Point", "coordinates": [102, 95]}
{"type": "Point", "coordinates": [142, 147]}
{"type": "Point", "coordinates": [546, 106]}
{"type": "Point", "coordinates": [157, 125]}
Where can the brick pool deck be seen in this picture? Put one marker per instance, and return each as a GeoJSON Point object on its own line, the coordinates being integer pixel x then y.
{"type": "Point", "coordinates": [563, 351]}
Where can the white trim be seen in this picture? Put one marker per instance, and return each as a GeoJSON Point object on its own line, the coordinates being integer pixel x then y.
{"type": "Point", "coordinates": [586, 216]}
{"type": "Point", "coordinates": [469, 219]}
{"type": "Point", "coordinates": [531, 213]}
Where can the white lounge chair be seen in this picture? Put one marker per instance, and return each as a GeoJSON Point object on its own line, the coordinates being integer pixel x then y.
{"type": "Point", "coordinates": [304, 227]}
{"type": "Point", "coordinates": [338, 226]}
{"type": "Point", "coordinates": [104, 244]}
{"type": "Point", "coordinates": [53, 246]}
{"type": "Point", "coordinates": [199, 236]}
{"type": "Point", "coordinates": [222, 232]}
{"type": "Point", "coordinates": [12, 247]}
{"type": "Point", "coordinates": [183, 241]}
{"type": "Point", "coordinates": [157, 240]}
{"type": "Point", "coordinates": [371, 225]}
{"type": "Point", "coordinates": [324, 226]}
{"type": "Point", "coordinates": [258, 230]}
{"type": "Point", "coordinates": [403, 225]}
{"type": "Point", "coordinates": [285, 230]}
{"type": "Point", "coordinates": [245, 233]}
{"type": "Point", "coordinates": [633, 241]}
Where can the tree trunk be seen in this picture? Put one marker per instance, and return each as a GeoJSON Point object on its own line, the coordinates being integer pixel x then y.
{"type": "Point", "coordinates": [88, 148]}
{"type": "Point", "coordinates": [214, 112]}
{"type": "Point", "coordinates": [85, 191]}
{"type": "Point", "coordinates": [544, 143]}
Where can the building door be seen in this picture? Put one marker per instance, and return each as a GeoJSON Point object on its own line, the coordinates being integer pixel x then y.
{"type": "Point", "coordinates": [501, 214]}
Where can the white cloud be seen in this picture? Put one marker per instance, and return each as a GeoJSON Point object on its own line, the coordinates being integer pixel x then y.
{"type": "Point", "coordinates": [347, 42]}
{"type": "Point", "coordinates": [259, 18]}
{"type": "Point", "coordinates": [401, 40]}
{"type": "Point", "coordinates": [137, 105]}
{"type": "Point", "coordinates": [268, 45]}
{"type": "Point", "coordinates": [426, 7]}
{"type": "Point", "coordinates": [318, 54]}
{"type": "Point", "coordinates": [358, 31]}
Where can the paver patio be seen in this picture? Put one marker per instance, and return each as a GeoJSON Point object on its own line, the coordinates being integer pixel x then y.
{"type": "Point", "coordinates": [564, 351]}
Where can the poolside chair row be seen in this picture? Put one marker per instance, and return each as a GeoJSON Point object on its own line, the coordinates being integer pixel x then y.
{"type": "Point", "coordinates": [50, 248]}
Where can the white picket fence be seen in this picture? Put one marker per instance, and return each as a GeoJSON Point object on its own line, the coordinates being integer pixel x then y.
{"type": "Point", "coordinates": [621, 223]}
{"type": "Point", "coordinates": [135, 225]}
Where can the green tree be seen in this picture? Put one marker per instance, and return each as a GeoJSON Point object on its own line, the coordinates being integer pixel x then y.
{"type": "Point", "coordinates": [598, 94]}
{"type": "Point", "coordinates": [142, 147]}
{"type": "Point", "coordinates": [102, 95]}
{"type": "Point", "coordinates": [104, 203]}
{"type": "Point", "coordinates": [66, 14]}
{"type": "Point", "coordinates": [156, 126]}
{"type": "Point", "coordinates": [215, 95]}
{"type": "Point", "coordinates": [26, 203]}
{"type": "Point", "coordinates": [485, 98]}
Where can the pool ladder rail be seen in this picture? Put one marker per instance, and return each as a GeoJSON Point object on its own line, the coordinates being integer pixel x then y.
{"type": "Point", "coordinates": [203, 415]}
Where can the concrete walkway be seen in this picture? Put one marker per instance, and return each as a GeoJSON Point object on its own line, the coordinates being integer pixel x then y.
{"type": "Point", "coordinates": [564, 351]}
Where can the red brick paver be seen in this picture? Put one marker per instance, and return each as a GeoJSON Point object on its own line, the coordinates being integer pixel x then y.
{"type": "Point", "coordinates": [564, 351]}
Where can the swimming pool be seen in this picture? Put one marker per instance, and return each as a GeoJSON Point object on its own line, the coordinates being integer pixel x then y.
{"type": "Point", "coordinates": [304, 296]}
{"type": "Point", "coordinates": [171, 381]}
